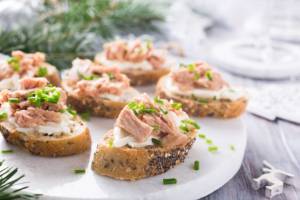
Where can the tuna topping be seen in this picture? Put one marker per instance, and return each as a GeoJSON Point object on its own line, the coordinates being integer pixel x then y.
{"type": "Point", "coordinates": [135, 51]}
{"type": "Point", "coordinates": [197, 75]}
{"type": "Point", "coordinates": [160, 119]}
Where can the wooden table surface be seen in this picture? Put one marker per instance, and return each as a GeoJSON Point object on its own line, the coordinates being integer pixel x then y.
{"type": "Point", "coordinates": [277, 142]}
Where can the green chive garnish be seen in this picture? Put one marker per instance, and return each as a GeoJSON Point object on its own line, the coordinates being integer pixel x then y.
{"type": "Point", "coordinates": [85, 116]}
{"type": "Point", "coordinates": [140, 108]}
{"type": "Point", "coordinates": [110, 142]}
{"type": "Point", "coordinates": [208, 141]}
{"type": "Point", "coordinates": [202, 101]}
{"type": "Point", "coordinates": [79, 171]}
{"type": "Point", "coordinates": [7, 151]}
{"type": "Point", "coordinates": [48, 94]}
{"type": "Point", "coordinates": [111, 76]}
{"type": "Point", "coordinates": [209, 75]}
{"type": "Point", "coordinates": [14, 63]}
{"type": "Point", "coordinates": [3, 115]}
{"type": "Point", "coordinates": [202, 136]}
{"type": "Point", "coordinates": [191, 122]}
{"type": "Point", "coordinates": [14, 100]}
{"type": "Point", "coordinates": [196, 165]}
{"type": "Point", "coordinates": [169, 181]}
{"type": "Point", "coordinates": [158, 100]}
{"type": "Point", "coordinates": [191, 67]}
{"type": "Point", "coordinates": [213, 148]}
{"type": "Point", "coordinates": [87, 77]}
{"type": "Point", "coordinates": [232, 147]}
{"type": "Point", "coordinates": [176, 106]}
{"type": "Point", "coordinates": [156, 141]}
{"type": "Point", "coordinates": [71, 111]}
{"type": "Point", "coordinates": [155, 127]}
{"type": "Point", "coordinates": [42, 72]}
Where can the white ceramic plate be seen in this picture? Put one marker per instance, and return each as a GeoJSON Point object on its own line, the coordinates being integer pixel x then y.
{"type": "Point", "coordinates": [54, 178]}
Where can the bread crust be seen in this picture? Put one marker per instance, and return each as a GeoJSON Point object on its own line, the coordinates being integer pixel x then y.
{"type": "Point", "coordinates": [98, 107]}
{"type": "Point", "coordinates": [214, 108]}
{"type": "Point", "coordinates": [48, 146]}
{"type": "Point", "coordinates": [145, 77]}
{"type": "Point", "coordinates": [125, 163]}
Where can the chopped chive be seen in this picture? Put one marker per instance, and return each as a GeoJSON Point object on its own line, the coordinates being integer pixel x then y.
{"type": "Point", "coordinates": [196, 75]}
{"type": "Point", "coordinates": [79, 171]}
{"type": "Point", "coordinates": [176, 106]}
{"type": "Point", "coordinates": [213, 148]}
{"type": "Point", "coordinates": [85, 116]}
{"type": "Point", "coordinates": [155, 127]}
{"type": "Point", "coordinates": [184, 128]}
{"type": "Point", "coordinates": [169, 181]}
{"type": "Point", "coordinates": [71, 111]}
{"type": "Point", "coordinates": [191, 67]}
{"type": "Point", "coordinates": [196, 165]}
{"type": "Point", "coordinates": [158, 100]}
{"type": "Point", "coordinates": [110, 142]}
{"type": "Point", "coordinates": [14, 100]}
{"type": "Point", "coordinates": [156, 141]}
{"type": "Point", "coordinates": [191, 122]}
{"type": "Point", "coordinates": [202, 101]}
{"type": "Point", "coordinates": [208, 141]}
{"type": "Point", "coordinates": [201, 135]}
{"type": "Point", "coordinates": [3, 115]}
{"type": "Point", "coordinates": [232, 147]}
{"type": "Point", "coordinates": [7, 151]}
{"type": "Point", "coordinates": [111, 76]}
{"type": "Point", "coordinates": [164, 111]}
{"type": "Point", "coordinates": [149, 44]}
{"type": "Point", "coordinates": [209, 75]}
{"type": "Point", "coordinates": [182, 65]}
{"type": "Point", "coordinates": [14, 63]}
{"type": "Point", "coordinates": [87, 77]}
{"type": "Point", "coordinates": [42, 72]}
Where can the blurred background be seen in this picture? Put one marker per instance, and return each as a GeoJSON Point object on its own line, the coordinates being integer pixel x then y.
{"type": "Point", "coordinates": [255, 43]}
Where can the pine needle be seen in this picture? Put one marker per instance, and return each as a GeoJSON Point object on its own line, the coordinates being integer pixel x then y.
{"type": "Point", "coordinates": [8, 182]}
{"type": "Point", "coordinates": [72, 28]}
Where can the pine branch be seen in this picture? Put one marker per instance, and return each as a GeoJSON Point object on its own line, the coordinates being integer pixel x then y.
{"type": "Point", "coordinates": [8, 181]}
{"type": "Point", "coordinates": [74, 28]}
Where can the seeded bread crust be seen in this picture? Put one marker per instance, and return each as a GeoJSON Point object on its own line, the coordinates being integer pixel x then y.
{"type": "Point", "coordinates": [48, 146]}
{"type": "Point", "coordinates": [214, 108]}
{"type": "Point", "coordinates": [98, 107]}
{"type": "Point", "coordinates": [125, 163]}
{"type": "Point", "coordinates": [142, 77]}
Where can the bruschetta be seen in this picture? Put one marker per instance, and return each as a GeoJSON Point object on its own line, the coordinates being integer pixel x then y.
{"type": "Point", "coordinates": [139, 60]}
{"type": "Point", "coordinates": [101, 90]}
{"type": "Point", "coordinates": [20, 65]}
{"type": "Point", "coordinates": [149, 138]}
{"type": "Point", "coordinates": [202, 91]}
{"type": "Point", "coordinates": [36, 118]}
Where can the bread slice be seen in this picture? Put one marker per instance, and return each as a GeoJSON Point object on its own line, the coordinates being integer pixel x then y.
{"type": "Point", "coordinates": [126, 163]}
{"type": "Point", "coordinates": [221, 108]}
{"type": "Point", "coordinates": [145, 77]}
{"type": "Point", "coordinates": [48, 146]}
{"type": "Point", "coordinates": [98, 107]}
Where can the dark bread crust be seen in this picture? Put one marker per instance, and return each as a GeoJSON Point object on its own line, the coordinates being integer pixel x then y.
{"type": "Point", "coordinates": [214, 108]}
{"type": "Point", "coordinates": [125, 163]}
{"type": "Point", "coordinates": [142, 77]}
{"type": "Point", "coordinates": [48, 146]}
{"type": "Point", "coordinates": [98, 107]}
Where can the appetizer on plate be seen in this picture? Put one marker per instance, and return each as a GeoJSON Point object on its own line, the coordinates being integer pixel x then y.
{"type": "Point", "coordinates": [139, 60]}
{"type": "Point", "coordinates": [21, 65]}
{"type": "Point", "coordinates": [149, 138]}
{"type": "Point", "coordinates": [36, 118]}
{"type": "Point", "coordinates": [101, 90]}
{"type": "Point", "coordinates": [202, 91]}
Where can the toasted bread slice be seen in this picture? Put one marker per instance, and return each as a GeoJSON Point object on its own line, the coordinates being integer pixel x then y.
{"type": "Point", "coordinates": [97, 106]}
{"type": "Point", "coordinates": [221, 108]}
{"type": "Point", "coordinates": [126, 163]}
{"type": "Point", "coordinates": [145, 77]}
{"type": "Point", "coordinates": [48, 146]}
